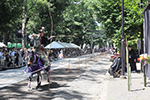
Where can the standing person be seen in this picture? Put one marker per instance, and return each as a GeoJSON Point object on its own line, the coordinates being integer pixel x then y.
{"type": "Point", "coordinates": [61, 54]}
{"type": "Point", "coordinates": [22, 55]}
{"type": "Point", "coordinates": [1, 57]}
{"type": "Point", "coordinates": [17, 58]}
{"type": "Point", "coordinates": [9, 62]}
{"type": "Point", "coordinates": [12, 55]}
{"type": "Point", "coordinates": [5, 53]}
{"type": "Point", "coordinates": [132, 59]}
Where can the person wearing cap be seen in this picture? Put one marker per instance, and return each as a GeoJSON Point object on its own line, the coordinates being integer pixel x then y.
{"type": "Point", "coordinates": [116, 65]}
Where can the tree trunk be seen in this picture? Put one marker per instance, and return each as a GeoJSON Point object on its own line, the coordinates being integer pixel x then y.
{"type": "Point", "coordinates": [24, 24]}
{"type": "Point", "coordinates": [4, 38]}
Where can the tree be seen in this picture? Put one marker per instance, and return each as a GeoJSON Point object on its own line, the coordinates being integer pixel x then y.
{"type": "Point", "coordinates": [109, 14]}
{"type": "Point", "coordinates": [69, 19]}
{"type": "Point", "coordinates": [10, 11]}
{"type": "Point", "coordinates": [77, 19]}
{"type": "Point", "coordinates": [38, 16]}
{"type": "Point", "coordinates": [24, 21]}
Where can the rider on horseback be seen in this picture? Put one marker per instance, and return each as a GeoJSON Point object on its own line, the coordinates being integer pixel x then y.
{"type": "Point", "coordinates": [36, 63]}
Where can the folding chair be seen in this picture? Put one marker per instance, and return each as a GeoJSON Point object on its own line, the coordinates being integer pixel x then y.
{"type": "Point", "coordinates": [117, 71]}
{"type": "Point", "coordinates": [117, 74]}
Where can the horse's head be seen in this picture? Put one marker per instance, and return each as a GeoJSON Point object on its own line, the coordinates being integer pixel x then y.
{"type": "Point", "coordinates": [30, 58]}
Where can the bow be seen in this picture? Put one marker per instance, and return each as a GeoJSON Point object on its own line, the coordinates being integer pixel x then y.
{"type": "Point", "coordinates": [49, 73]}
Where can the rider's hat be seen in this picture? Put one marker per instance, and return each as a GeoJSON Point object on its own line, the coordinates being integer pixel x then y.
{"type": "Point", "coordinates": [42, 30]}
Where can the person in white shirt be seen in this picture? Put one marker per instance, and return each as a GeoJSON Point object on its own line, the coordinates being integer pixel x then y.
{"type": "Point", "coordinates": [12, 54]}
{"type": "Point", "coordinates": [61, 54]}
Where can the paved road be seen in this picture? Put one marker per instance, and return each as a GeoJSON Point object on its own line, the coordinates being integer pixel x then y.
{"type": "Point", "coordinates": [12, 76]}
{"type": "Point", "coordinates": [85, 81]}
{"type": "Point", "coordinates": [89, 85]}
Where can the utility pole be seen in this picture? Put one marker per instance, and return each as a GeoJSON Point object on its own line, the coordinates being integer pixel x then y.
{"type": "Point", "coordinates": [142, 51]}
{"type": "Point", "coordinates": [141, 26]}
{"type": "Point", "coordinates": [123, 43]}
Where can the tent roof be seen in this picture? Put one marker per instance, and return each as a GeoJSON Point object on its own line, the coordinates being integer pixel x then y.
{"type": "Point", "coordinates": [66, 45]}
{"type": "Point", "coordinates": [58, 45]}
{"type": "Point", "coordinates": [54, 45]}
{"type": "Point", "coordinates": [2, 44]}
{"type": "Point", "coordinates": [74, 45]}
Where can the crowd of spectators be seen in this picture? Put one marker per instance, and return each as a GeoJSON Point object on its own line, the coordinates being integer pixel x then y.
{"type": "Point", "coordinates": [14, 58]}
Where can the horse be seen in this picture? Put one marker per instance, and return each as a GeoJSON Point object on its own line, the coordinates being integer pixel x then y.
{"type": "Point", "coordinates": [34, 65]}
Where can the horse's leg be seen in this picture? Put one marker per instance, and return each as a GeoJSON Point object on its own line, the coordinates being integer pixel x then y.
{"type": "Point", "coordinates": [48, 73]}
{"type": "Point", "coordinates": [47, 76]}
{"type": "Point", "coordinates": [39, 78]}
{"type": "Point", "coordinates": [29, 83]}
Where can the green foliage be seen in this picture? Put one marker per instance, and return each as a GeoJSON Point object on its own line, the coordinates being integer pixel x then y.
{"type": "Point", "coordinates": [109, 13]}
{"type": "Point", "coordinates": [10, 15]}
{"type": "Point", "coordinates": [74, 17]}
{"type": "Point", "coordinates": [70, 17]}
{"type": "Point", "coordinates": [10, 10]}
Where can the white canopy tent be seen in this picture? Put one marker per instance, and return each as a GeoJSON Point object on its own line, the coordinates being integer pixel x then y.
{"type": "Point", "coordinates": [54, 45]}
{"type": "Point", "coordinates": [2, 45]}
{"type": "Point", "coordinates": [59, 45]}
{"type": "Point", "coordinates": [75, 46]}
{"type": "Point", "coordinates": [66, 45]}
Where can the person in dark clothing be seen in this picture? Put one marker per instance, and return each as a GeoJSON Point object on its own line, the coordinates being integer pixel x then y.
{"type": "Point", "coordinates": [132, 59]}
{"type": "Point", "coordinates": [42, 39]}
{"type": "Point", "coordinates": [16, 58]}
{"type": "Point", "coordinates": [9, 61]}
{"type": "Point", "coordinates": [42, 42]}
{"type": "Point", "coordinates": [116, 65]}
{"type": "Point", "coordinates": [23, 56]}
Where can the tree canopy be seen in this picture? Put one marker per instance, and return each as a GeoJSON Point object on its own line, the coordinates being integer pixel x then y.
{"type": "Point", "coordinates": [73, 18]}
{"type": "Point", "coordinates": [109, 13]}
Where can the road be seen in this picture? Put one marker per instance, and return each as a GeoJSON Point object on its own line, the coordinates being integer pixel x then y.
{"type": "Point", "coordinates": [12, 76]}
{"type": "Point", "coordinates": [84, 82]}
